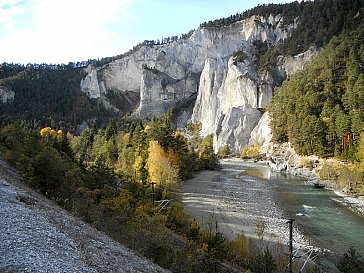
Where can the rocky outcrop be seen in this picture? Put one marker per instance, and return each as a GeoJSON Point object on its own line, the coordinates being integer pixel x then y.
{"type": "Point", "coordinates": [6, 94]}
{"type": "Point", "coordinates": [290, 64]}
{"type": "Point", "coordinates": [261, 135]}
{"type": "Point", "coordinates": [283, 157]}
{"type": "Point", "coordinates": [160, 92]}
{"type": "Point", "coordinates": [203, 71]}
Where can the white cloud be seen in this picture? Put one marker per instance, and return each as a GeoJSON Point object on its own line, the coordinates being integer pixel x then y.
{"type": "Point", "coordinates": [9, 9]}
{"type": "Point", "coordinates": [65, 30]}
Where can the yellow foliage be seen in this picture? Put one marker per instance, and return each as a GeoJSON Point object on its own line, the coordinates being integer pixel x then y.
{"type": "Point", "coordinates": [360, 152]}
{"type": "Point", "coordinates": [240, 246]}
{"type": "Point", "coordinates": [328, 171]}
{"type": "Point", "coordinates": [48, 131]}
{"type": "Point", "coordinates": [160, 166]}
{"type": "Point", "coordinates": [147, 128]}
{"type": "Point", "coordinates": [306, 162]}
{"type": "Point", "coordinates": [250, 152]}
{"type": "Point", "coordinates": [45, 131]}
{"type": "Point", "coordinates": [172, 158]}
{"type": "Point", "coordinates": [177, 134]}
{"type": "Point", "coordinates": [204, 248]}
{"type": "Point", "coordinates": [138, 164]}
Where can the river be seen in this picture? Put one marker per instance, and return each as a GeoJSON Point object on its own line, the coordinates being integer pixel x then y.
{"type": "Point", "coordinates": [243, 194]}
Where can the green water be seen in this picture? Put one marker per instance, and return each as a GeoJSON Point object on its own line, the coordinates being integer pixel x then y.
{"type": "Point", "coordinates": [326, 223]}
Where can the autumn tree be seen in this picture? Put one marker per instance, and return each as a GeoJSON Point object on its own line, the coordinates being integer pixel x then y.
{"type": "Point", "coordinates": [161, 165]}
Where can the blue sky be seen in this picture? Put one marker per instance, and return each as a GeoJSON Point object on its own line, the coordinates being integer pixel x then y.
{"type": "Point", "coordinates": [60, 31]}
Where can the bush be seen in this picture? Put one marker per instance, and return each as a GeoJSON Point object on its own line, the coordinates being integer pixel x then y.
{"type": "Point", "coordinates": [306, 163]}
{"type": "Point", "coordinates": [351, 179]}
{"type": "Point", "coordinates": [239, 250]}
{"type": "Point", "coordinates": [223, 151]}
{"type": "Point", "coordinates": [351, 262]}
{"type": "Point", "coordinates": [250, 152]}
{"type": "Point", "coordinates": [328, 171]}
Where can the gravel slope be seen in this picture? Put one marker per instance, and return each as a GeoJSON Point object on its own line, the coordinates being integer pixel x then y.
{"type": "Point", "coordinates": [38, 236]}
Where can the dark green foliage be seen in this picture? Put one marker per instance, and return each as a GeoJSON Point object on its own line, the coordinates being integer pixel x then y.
{"type": "Point", "coordinates": [44, 91]}
{"type": "Point", "coordinates": [351, 262]}
{"type": "Point", "coordinates": [239, 56]}
{"type": "Point", "coordinates": [320, 109]}
{"type": "Point", "coordinates": [111, 129]}
{"type": "Point", "coordinates": [264, 262]}
{"type": "Point", "coordinates": [317, 23]}
{"type": "Point", "coordinates": [207, 249]}
{"type": "Point", "coordinates": [47, 169]}
{"type": "Point", "coordinates": [320, 20]}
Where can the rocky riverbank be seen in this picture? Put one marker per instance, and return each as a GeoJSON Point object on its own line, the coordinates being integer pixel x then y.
{"type": "Point", "coordinates": [38, 236]}
{"type": "Point", "coordinates": [283, 158]}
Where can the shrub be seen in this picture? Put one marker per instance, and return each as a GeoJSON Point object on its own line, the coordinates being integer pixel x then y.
{"type": "Point", "coordinates": [250, 152]}
{"type": "Point", "coordinates": [328, 171]}
{"type": "Point", "coordinates": [351, 262]}
{"type": "Point", "coordinates": [223, 151]}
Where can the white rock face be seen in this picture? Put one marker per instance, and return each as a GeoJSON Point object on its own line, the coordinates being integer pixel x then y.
{"type": "Point", "coordinates": [228, 92]}
{"type": "Point", "coordinates": [234, 127]}
{"type": "Point", "coordinates": [90, 85]}
{"type": "Point", "coordinates": [6, 94]}
{"type": "Point", "coordinates": [226, 102]}
{"type": "Point", "coordinates": [290, 64]}
{"type": "Point", "coordinates": [261, 135]}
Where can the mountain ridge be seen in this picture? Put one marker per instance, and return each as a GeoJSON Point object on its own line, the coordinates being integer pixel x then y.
{"type": "Point", "coordinates": [261, 48]}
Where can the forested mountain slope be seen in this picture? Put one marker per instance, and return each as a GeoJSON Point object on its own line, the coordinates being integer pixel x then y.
{"type": "Point", "coordinates": [320, 110]}
{"type": "Point", "coordinates": [45, 94]}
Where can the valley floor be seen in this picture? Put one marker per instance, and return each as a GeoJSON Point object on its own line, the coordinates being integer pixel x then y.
{"type": "Point", "coordinates": [38, 236]}
{"type": "Point", "coordinates": [237, 205]}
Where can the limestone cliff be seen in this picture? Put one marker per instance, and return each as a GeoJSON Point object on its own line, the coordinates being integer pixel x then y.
{"type": "Point", "coordinates": [6, 94]}
{"type": "Point", "coordinates": [261, 135]}
{"type": "Point", "coordinates": [201, 69]}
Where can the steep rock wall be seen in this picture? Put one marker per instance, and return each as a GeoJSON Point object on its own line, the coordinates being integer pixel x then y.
{"type": "Point", "coordinates": [200, 68]}
{"type": "Point", "coordinates": [261, 135]}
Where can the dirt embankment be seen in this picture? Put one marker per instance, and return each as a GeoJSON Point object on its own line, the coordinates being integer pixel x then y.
{"type": "Point", "coordinates": [38, 236]}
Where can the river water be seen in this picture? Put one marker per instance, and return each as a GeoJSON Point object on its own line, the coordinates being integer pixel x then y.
{"type": "Point", "coordinates": [325, 222]}
{"type": "Point", "coordinates": [322, 220]}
